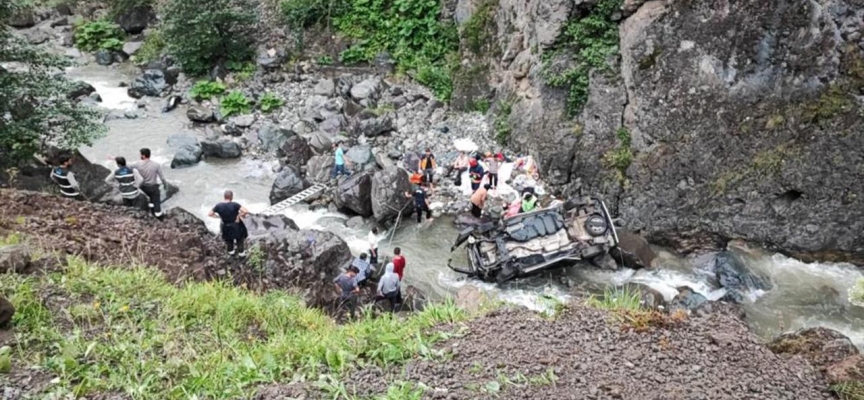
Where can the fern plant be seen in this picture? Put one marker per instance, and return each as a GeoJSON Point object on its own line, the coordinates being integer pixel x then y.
{"type": "Point", "coordinates": [206, 90]}
{"type": "Point", "coordinates": [97, 35]}
{"type": "Point", "coordinates": [270, 102]}
{"type": "Point", "coordinates": [235, 103]}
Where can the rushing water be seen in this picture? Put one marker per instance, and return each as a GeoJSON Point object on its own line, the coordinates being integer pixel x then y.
{"type": "Point", "coordinates": [803, 294]}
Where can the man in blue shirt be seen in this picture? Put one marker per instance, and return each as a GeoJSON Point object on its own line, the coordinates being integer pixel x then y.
{"type": "Point", "coordinates": [338, 161]}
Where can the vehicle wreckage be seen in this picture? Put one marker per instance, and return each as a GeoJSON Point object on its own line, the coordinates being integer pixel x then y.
{"type": "Point", "coordinates": [579, 230]}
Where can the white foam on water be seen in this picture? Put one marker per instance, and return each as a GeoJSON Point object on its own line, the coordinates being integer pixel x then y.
{"type": "Point", "coordinates": [667, 281]}
{"type": "Point", "coordinates": [113, 96]}
{"type": "Point", "coordinates": [532, 299]}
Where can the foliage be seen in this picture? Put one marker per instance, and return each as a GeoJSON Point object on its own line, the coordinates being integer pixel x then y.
{"type": "Point", "coordinates": [270, 102]}
{"type": "Point", "coordinates": [204, 33]}
{"type": "Point", "coordinates": [324, 60]}
{"type": "Point", "coordinates": [96, 35]}
{"type": "Point", "coordinates": [438, 78]}
{"type": "Point", "coordinates": [302, 14]}
{"type": "Point", "coordinates": [152, 48]}
{"type": "Point", "coordinates": [626, 306]}
{"type": "Point", "coordinates": [242, 70]}
{"type": "Point", "coordinates": [481, 105]}
{"type": "Point", "coordinates": [501, 124]}
{"type": "Point", "coordinates": [591, 38]}
{"type": "Point", "coordinates": [620, 157]}
{"type": "Point", "coordinates": [34, 108]}
{"type": "Point", "coordinates": [856, 293]}
{"type": "Point", "coordinates": [206, 90]}
{"type": "Point", "coordinates": [617, 299]}
{"type": "Point", "coordinates": [135, 333]}
{"type": "Point", "coordinates": [852, 390]}
{"type": "Point", "coordinates": [235, 103]}
{"type": "Point", "coordinates": [476, 31]}
{"type": "Point", "coordinates": [256, 257]}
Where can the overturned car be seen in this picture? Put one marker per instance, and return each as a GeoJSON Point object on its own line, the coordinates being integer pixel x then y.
{"type": "Point", "coordinates": [527, 243]}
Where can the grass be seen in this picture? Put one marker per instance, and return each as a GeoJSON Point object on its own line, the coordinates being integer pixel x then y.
{"type": "Point", "coordinates": [625, 304]}
{"type": "Point", "coordinates": [852, 390]}
{"type": "Point", "coordinates": [501, 124]}
{"type": "Point", "coordinates": [129, 330]}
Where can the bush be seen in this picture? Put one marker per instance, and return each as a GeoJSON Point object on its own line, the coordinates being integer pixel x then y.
{"type": "Point", "coordinates": [302, 14]}
{"type": "Point", "coordinates": [270, 102]}
{"type": "Point", "coordinates": [204, 33]}
{"type": "Point", "coordinates": [97, 35]}
{"type": "Point", "coordinates": [154, 45]}
{"type": "Point", "coordinates": [856, 293]}
{"type": "Point", "coordinates": [437, 78]}
{"type": "Point", "coordinates": [235, 103]}
{"type": "Point", "coordinates": [206, 90]}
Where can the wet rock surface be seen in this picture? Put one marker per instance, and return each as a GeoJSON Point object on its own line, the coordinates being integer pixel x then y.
{"type": "Point", "coordinates": [354, 194]}
{"type": "Point", "coordinates": [820, 346]}
{"type": "Point", "coordinates": [288, 183]}
{"type": "Point", "coordinates": [734, 276]}
{"type": "Point", "coordinates": [388, 194]}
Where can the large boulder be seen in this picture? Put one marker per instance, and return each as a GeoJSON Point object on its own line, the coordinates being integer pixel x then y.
{"type": "Point", "coordinates": [321, 142]}
{"type": "Point", "coordinates": [78, 89]}
{"type": "Point", "coordinates": [200, 114]}
{"type": "Point", "coordinates": [360, 157]}
{"type": "Point", "coordinates": [687, 300]}
{"type": "Point", "coordinates": [14, 258]}
{"type": "Point", "coordinates": [22, 17]}
{"type": "Point", "coordinates": [847, 373]}
{"type": "Point", "coordinates": [410, 161]}
{"type": "Point", "coordinates": [820, 346]}
{"type": "Point", "coordinates": [274, 226]}
{"type": "Point", "coordinates": [388, 193]}
{"type": "Point", "coordinates": [7, 311]}
{"type": "Point", "coordinates": [135, 19]}
{"type": "Point", "coordinates": [633, 251]}
{"type": "Point", "coordinates": [375, 126]}
{"type": "Point", "coordinates": [187, 150]}
{"type": "Point", "coordinates": [369, 89]}
{"type": "Point", "coordinates": [734, 276]}
{"type": "Point", "coordinates": [150, 83]}
{"type": "Point", "coordinates": [295, 151]}
{"type": "Point", "coordinates": [221, 148]}
{"type": "Point", "coordinates": [271, 136]}
{"type": "Point", "coordinates": [319, 168]}
{"type": "Point", "coordinates": [288, 183]}
{"type": "Point", "coordinates": [325, 87]}
{"type": "Point", "coordinates": [355, 194]}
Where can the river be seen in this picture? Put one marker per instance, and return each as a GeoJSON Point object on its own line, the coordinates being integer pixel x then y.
{"type": "Point", "coordinates": [803, 295]}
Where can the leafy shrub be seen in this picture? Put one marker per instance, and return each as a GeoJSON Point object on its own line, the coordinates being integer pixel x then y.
{"type": "Point", "coordinates": [481, 105]}
{"type": "Point", "coordinates": [206, 90]}
{"type": "Point", "coordinates": [437, 78]}
{"type": "Point", "coordinates": [204, 33]}
{"type": "Point", "coordinates": [620, 157]}
{"type": "Point", "coordinates": [242, 70]}
{"type": "Point", "coordinates": [324, 60]}
{"type": "Point", "coordinates": [501, 125]}
{"type": "Point", "coordinates": [302, 14]}
{"type": "Point", "coordinates": [856, 293]}
{"type": "Point", "coordinates": [270, 102]}
{"type": "Point", "coordinates": [152, 48]}
{"type": "Point", "coordinates": [235, 103]}
{"type": "Point", "coordinates": [97, 35]}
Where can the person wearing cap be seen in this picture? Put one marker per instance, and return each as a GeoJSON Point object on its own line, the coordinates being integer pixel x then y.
{"type": "Point", "coordinates": [475, 173]}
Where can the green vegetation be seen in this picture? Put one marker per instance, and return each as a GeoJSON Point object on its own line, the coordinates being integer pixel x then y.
{"type": "Point", "coordinates": [324, 60]}
{"type": "Point", "coordinates": [831, 103]}
{"type": "Point", "coordinates": [204, 33]}
{"type": "Point", "coordinates": [235, 103]}
{"type": "Point", "coordinates": [592, 39]}
{"type": "Point", "coordinates": [128, 330]}
{"type": "Point", "coordinates": [206, 90]}
{"type": "Point", "coordinates": [620, 157]}
{"type": "Point", "coordinates": [625, 304]}
{"type": "Point", "coordinates": [270, 102]}
{"type": "Point", "coordinates": [617, 299]}
{"type": "Point", "coordinates": [34, 106]}
{"type": "Point", "coordinates": [852, 390]}
{"type": "Point", "coordinates": [481, 105]}
{"type": "Point", "coordinates": [501, 124]}
{"type": "Point", "coordinates": [152, 48]}
{"type": "Point", "coordinates": [478, 29]}
{"type": "Point", "coordinates": [96, 35]}
{"type": "Point", "coordinates": [856, 293]}
{"type": "Point", "coordinates": [302, 14]}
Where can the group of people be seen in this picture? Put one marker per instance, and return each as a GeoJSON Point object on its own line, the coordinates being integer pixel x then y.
{"type": "Point", "coordinates": [357, 275]}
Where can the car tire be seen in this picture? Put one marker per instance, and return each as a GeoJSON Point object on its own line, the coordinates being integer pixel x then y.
{"type": "Point", "coordinates": [596, 225]}
{"type": "Point", "coordinates": [506, 274]}
{"type": "Point", "coordinates": [591, 252]}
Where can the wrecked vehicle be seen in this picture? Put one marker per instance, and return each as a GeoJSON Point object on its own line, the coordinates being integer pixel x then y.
{"type": "Point", "coordinates": [580, 230]}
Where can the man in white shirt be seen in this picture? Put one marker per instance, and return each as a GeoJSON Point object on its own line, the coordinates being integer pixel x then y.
{"type": "Point", "coordinates": [373, 246]}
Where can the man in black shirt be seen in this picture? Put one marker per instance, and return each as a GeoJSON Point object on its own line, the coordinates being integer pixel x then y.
{"type": "Point", "coordinates": [233, 229]}
{"type": "Point", "coordinates": [421, 202]}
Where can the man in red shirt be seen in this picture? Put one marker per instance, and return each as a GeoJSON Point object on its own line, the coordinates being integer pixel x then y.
{"type": "Point", "coordinates": [398, 262]}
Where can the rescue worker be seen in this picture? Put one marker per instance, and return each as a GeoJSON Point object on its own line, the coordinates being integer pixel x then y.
{"type": "Point", "coordinates": [475, 173]}
{"type": "Point", "coordinates": [478, 200]}
{"type": "Point", "coordinates": [63, 177]}
{"type": "Point", "coordinates": [529, 202]}
{"type": "Point", "coordinates": [127, 180]}
{"type": "Point", "coordinates": [426, 166]}
{"type": "Point", "coordinates": [389, 288]}
{"type": "Point", "coordinates": [150, 171]}
{"type": "Point", "coordinates": [233, 229]}
{"type": "Point", "coordinates": [421, 202]}
{"type": "Point", "coordinates": [493, 163]}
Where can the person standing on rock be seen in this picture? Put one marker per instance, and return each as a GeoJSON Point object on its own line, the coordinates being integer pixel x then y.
{"type": "Point", "coordinates": [475, 173]}
{"type": "Point", "coordinates": [478, 200]}
{"type": "Point", "coordinates": [126, 179]}
{"type": "Point", "coordinates": [398, 262]}
{"type": "Point", "coordinates": [426, 166]}
{"type": "Point", "coordinates": [493, 163]}
{"type": "Point", "coordinates": [421, 202]}
{"type": "Point", "coordinates": [460, 165]}
{"type": "Point", "coordinates": [63, 177]}
{"type": "Point", "coordinates": [233, 229]}
{"type": "Point", "coordinates": [389, 288]}
{"type": "Point", "coordinates": [373, 246]}
{"type": "Point", "coordinates": [364, 270]}
{"type": "Point", "coordinates": [346, 284]}
{"type": "Point", "coordinates": [338, 161]}
{"type": "Point", "coordinates": [150, 171]}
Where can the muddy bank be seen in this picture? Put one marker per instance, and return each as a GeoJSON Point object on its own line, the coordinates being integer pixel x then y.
{"type": "Point", "coordinates": [585, 354]}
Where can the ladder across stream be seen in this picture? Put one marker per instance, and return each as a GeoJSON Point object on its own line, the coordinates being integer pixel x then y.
{"type": "Point", "coordinates": [284, 204]}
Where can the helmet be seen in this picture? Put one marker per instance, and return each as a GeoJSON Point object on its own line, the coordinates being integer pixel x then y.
{"type": "Point", "coordinates": [472, 162]}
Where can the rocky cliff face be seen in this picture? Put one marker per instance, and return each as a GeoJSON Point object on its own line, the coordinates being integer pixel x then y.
{"type": "Point", "coordinates": [743, 118]}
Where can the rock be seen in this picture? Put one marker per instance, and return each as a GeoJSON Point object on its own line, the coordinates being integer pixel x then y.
{"type": "Point", "coordinates": [471, 298]}
{"type": "Point", "coordinates": [687, 300]}
{"type": "Point", "coordinates": [325, 87]}
{"type": "Point", "coordinates": [399, 102]}
{"type": "Point", "coordinates": [333, 124]}
{"type": "Point", "coordinates": [271, 136]}
{"type": "Point", "coordinates": [130, 48]}
{"type": "Point", "coordinates": [288, 183]}
{"type": "Point", "coordinates": [354, 194]}
{"type": "Point", "coordinates": [368, 89]}
{"type": "Point", "coordinates": [150, 83]}
{"type": "Point", "coordinates": [384, 63]}
{"type": "Point", "coordinates": [321, 142]}
{"type": "Point", "coordinates": [734, 276]}
{"type": "Point", "coordinates": [847, 371]}
{"type": "Point", "coordinates": [360, 156]}
{"type": "Point", "coordinates": [352, 108]}
{"type": "Point", "coordinates": [222, 148]}
{"type": "Point", "coordinates": [7, 311]}
{"type": "Point", "coordinates": [171, 103]}
{"type": "Point", "coordinates": [318, 168]}
{"type": "Point", "coordinates": [260, 225]}
{"type": "Point", "coordinates": [820, 346]}
{"type": "Point", "coordinates": [413, 299]}
{"type": "Point", "coordinates": [244, 121]}
{"type": "Point", "coordinates": [14, 258]}
{"type": "Point", "coordinates": [62, 21]}
{"type": "Point", "coordinates": [295, 151]}
{"type": "Point", "coordinates": [633, 250]}
{"type": "Point", "coordinates": [388, 193]}
{"type": "Point", "coordinates": [37, 36]}
{"type": "Point", "coordinates": [187, 150]}
{"type": "Point", "coordinates": [95, 97]}
{"type": "Point", "coordinates": [270, 59]}
{"type": "Point", "coordinates": [649, 297]}
{"type": "Point", "coordinates": [135, 19]}
{"type": "Point", "coordinates": [79, 89]}
{"type": "Point", "coordinates": [411, 160]}
{"type": "Point", "coordinates": [375, 126]}
{"type": "Point", "coordinates": [200, 114]}
{"type": "Point", "coordinates": [22, 18]}
{"type": "Point", "coordinates": [355, 222]}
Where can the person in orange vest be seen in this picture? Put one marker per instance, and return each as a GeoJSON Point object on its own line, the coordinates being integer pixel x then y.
{"type": "Point", "coordinates": [426, 166]}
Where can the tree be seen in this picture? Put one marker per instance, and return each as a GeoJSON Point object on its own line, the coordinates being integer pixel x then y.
{"type": "Point", "coordinates": [34, 108]}
{"type": "Point", "coordinates": [205, 33]}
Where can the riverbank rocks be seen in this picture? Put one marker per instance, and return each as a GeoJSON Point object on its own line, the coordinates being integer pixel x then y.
{"type": "Point", "coordinates": [22, 18]}
{"type": "Point", "coordinates": [187, 150]}
{"type": "Point", "coordinates": [104, 57]}
{"type": "Point", "coordinates": [633, 250]}
{"type": "Point", "coordinates": [295, 151]}
{"type": "Point", "coordinates": [135, 19]}
{"type": "Point", "coordinates": [367, 92]}
{"type": "Point", "coordinates": [325, 87]}
{"type": "Point", "coordinates": [388, 194]}
{"type": "Point", "coordinates": [261, 226]}
{"type": "Point", "coordinates": [271, 136]}
{"type": "Point", "coordinates": [360, 157]}
{"type": "Point", "coordinates": [375, 126]}
{"type": "Point", "coordinates": [79, 89]}
{"type": "Point", "coordinates": [354, 194]}
{"type": "Point", "coordinates": [821, 346]}
{"type": "Point", "coordinates": [221, 148]}
{"type": "Point", "coordinates": [150, 83]}
{"type": "Point", "coordinates": [321, 142]}
{"type": "Point", "coordinates": [7, 311]}
{"type": "Point", "coordinates": [14, 258]}
{"type": "Point", "coordinates": [734, 276]}
{"type": "Point", "coordinates": [319, 168]}
{"type": "Point", "coordinates": [200, 114]}
{"type": "Point", "coordinates": [687, 300]}
{"type": "Point", "coordinates": [288, 183]}
{"type": "Point", "coordinates": [649, 297]}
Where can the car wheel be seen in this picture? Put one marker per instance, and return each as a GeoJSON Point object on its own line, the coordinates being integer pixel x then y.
{"type": "Point", "coordinates": [506, 274]}
{"type": "Point", "coordinates": [591, 252]}
{"type": "Point", "coordinates": [596, 225]}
